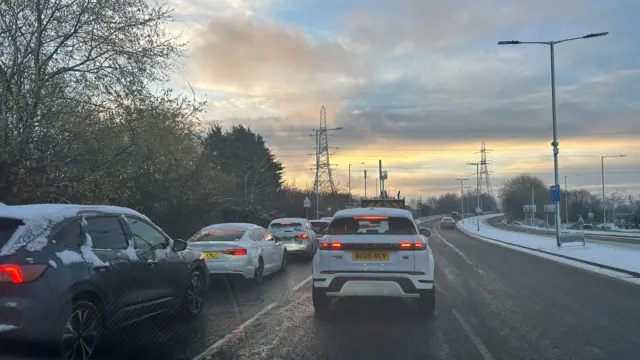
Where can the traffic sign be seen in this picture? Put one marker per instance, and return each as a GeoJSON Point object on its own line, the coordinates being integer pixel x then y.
{"type": "Point", "coordinates": [555, 193]}
{"type": "Point", "coordinates": [549, 207]}
{"type": "Point", "coordinates": [306, 202]}
{"type": "Point", "coordinates": [529, 208]}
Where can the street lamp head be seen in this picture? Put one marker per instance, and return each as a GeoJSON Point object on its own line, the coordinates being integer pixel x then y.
{"type": "Point", "coordinates": [508, 42]}
{"type": "Point", "coordinates": [589, 36]}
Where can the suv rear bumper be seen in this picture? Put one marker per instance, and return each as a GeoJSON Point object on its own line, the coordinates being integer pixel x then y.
{"type": "Point", "coordinates": [377, 284]}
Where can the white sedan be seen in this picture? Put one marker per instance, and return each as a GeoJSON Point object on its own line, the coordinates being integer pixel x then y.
{"type": "Point", "coordinates": [240, 249]}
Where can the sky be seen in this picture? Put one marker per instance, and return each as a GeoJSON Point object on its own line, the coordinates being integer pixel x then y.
{"type": "Point", "coordinates": [421, 84]}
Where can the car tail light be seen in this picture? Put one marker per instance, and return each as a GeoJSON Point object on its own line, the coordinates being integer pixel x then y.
{"type": "Point", "coordinates": [331, 246]}
{"type": "Point", "coordinates": [370, 218]}
{"type": "Point", "coordinates": [19, 274]}
{"type": "Point", "coordinates": [235, 252]}
{"type": "Point", "coordinates": [302, 236]}
{"type": "Point", "coordinates": [409, 246]}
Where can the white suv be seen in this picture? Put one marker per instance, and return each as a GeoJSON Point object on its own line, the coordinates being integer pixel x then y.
{"type": "Point", "coordinates": [374, 252]}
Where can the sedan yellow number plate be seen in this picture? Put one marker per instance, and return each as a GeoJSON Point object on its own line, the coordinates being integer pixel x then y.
{"type": "Point", "coordinates": [370, 256]}
{"type": "Point", "coordinates": [211, 255]}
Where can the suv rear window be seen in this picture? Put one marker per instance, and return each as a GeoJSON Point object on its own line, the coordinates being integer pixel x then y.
{"type": "Point", "coordinates": [372, 225]}
{"type": "Point", "coordinates": [285, 225]}
{"type": "Point", "coordinates": [217, 235]}
{"type": "Point", "coordinates": [447, 219]}
{"type": "Point", "coordinates": [7, 228]}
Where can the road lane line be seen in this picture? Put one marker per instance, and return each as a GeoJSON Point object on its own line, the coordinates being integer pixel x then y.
{"type": "Point", "coordinates": [295, 288]}
{"type": "Point", "coordinates": [215, 347]}
{"type": "Point", "coordinates": [454, 249]}
{"type": "Point", "coordinates": [474, 338]}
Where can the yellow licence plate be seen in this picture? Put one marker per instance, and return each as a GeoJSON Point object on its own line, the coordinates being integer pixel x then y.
{"type": "Point", "coordinates": [211, 255]}
{"type": "Point", "coordinates": [370, 256]}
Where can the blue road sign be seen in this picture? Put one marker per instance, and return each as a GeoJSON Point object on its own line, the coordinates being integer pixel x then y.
{"type": "Point", "coordinates": [555, 193]}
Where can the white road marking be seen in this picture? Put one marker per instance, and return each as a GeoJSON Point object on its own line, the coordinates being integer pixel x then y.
{"type": "Point", "coordinates": [295, 288]}
{"type": "Point", "coordinates": [454, 249]}
{"type": "Point", "coordinates": [215, 347]}
{"type": "Point", "coordinates": [474, 338]}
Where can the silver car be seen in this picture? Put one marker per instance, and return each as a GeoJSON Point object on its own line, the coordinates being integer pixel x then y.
{"type": "Point", "coordinates": [239, 249]}
{"type": "Point", "coordinates": [296, 234]}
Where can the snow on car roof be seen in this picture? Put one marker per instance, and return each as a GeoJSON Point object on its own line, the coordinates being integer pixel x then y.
{"type": "Point", "coordinates": [393, 212]}
{"type": "Point", "coordinates": [39, 219]}
{"type": "Point", "coordinates": [38, 211]}
{"type": "Point", "coordinates": [296, 220]}
{"type": "Point", "coordinates": [229, 226]}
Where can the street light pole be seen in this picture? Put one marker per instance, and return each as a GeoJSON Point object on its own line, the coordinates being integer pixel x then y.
{"type": "Point", "coordinates": [462, 197]}
{"type": "Point", "coordinates": [604, 205]}
{"type": "Point", "coordinates": [360, 163]}
{"type": "Point", "coordinates": [477, 164]}
{"type": "Point", "coordinates": [555, 143]}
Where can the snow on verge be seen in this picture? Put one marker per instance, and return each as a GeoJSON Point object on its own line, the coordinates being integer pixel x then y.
{"type": "Point", "coordinates": [600, 253]}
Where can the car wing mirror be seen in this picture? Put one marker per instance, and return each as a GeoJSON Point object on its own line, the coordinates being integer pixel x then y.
{"type": "Point", "coordinates": [179, 245]}
{"type": "Point", "coordinates": [425, 232]}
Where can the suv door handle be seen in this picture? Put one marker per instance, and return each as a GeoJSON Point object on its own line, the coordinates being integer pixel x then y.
{"type": "Point", "coordinates": [152, 262]}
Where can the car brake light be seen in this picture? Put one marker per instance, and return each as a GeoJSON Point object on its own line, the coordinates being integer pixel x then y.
{"type": "Point", "coordinates": [302, 236]}
{"type": "Point", "coordinates": [330, 246]}
{"type": "Point", "coordinates": [19, 274]}
{"type": "Point", "coordinates": [235, 252]}
{"type": "Point", "coordinates": [406, 245]}
{"type": "Point", "coordinates": [370, 217]}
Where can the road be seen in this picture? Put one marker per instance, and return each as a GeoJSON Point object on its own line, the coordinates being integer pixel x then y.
{"type": "Point", "coordinates": [492, 303]}
{"type": "Point", "coordinates": [634, 242]}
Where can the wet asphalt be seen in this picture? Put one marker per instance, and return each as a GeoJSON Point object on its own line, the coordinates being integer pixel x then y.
{"type": "Point", "coordinates": [492, 303]}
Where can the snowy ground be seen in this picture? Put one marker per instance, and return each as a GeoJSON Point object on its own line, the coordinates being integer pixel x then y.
{"type": "Point", "coordinates": [617, 233]}
{"type": "Point", "coordinates": [618, 256]}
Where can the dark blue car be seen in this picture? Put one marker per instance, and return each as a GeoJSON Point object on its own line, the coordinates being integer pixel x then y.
{"type": "Point", "coordinates": [70, 273]}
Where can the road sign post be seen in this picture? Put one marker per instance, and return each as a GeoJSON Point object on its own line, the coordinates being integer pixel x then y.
{"type": "Point", "coordinates": [549, 208]}
{"type": "Point", "coordinates": [307, 204]}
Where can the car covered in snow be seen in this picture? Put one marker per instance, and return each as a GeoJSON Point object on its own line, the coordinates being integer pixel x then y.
{"type": "Point", "coordinates": [240, 250]}
{"type": "Point", "coordinates": [296, 234]}
{"type": "Point", "coordinates": [70, 272]}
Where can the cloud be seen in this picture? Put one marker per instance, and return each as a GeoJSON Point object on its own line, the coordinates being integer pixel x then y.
{"type": "Point", "coordinates": [275, 62]}
{"type": "Point", "coordinates": [417, 82]}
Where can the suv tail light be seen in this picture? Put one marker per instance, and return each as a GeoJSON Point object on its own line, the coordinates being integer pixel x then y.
{"type": "Point", "coordinates": [19, 274]}
{"type": "Point", "coordinates": [411, 246]}
{"type": "Point", "coordinates": [331, 246]}
{"type": "Point", "coordinates": [235, 252]}
{"type": "Point", "coordinates": [302, 236]}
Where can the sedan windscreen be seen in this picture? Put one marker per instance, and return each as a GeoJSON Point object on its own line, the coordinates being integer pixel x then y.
{"type": "Point", "coordinates": [372, 225]}
{"type": "Point", "coordinates": [217, 235]}
{"type": "Point", "coordinates": [319, 225]}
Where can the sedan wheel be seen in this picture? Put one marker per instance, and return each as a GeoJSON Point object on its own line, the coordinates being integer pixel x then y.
{"type": "Point", "coordinates": [258, 273]}
{"type": "Point", "coordinates": [81, 331]}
